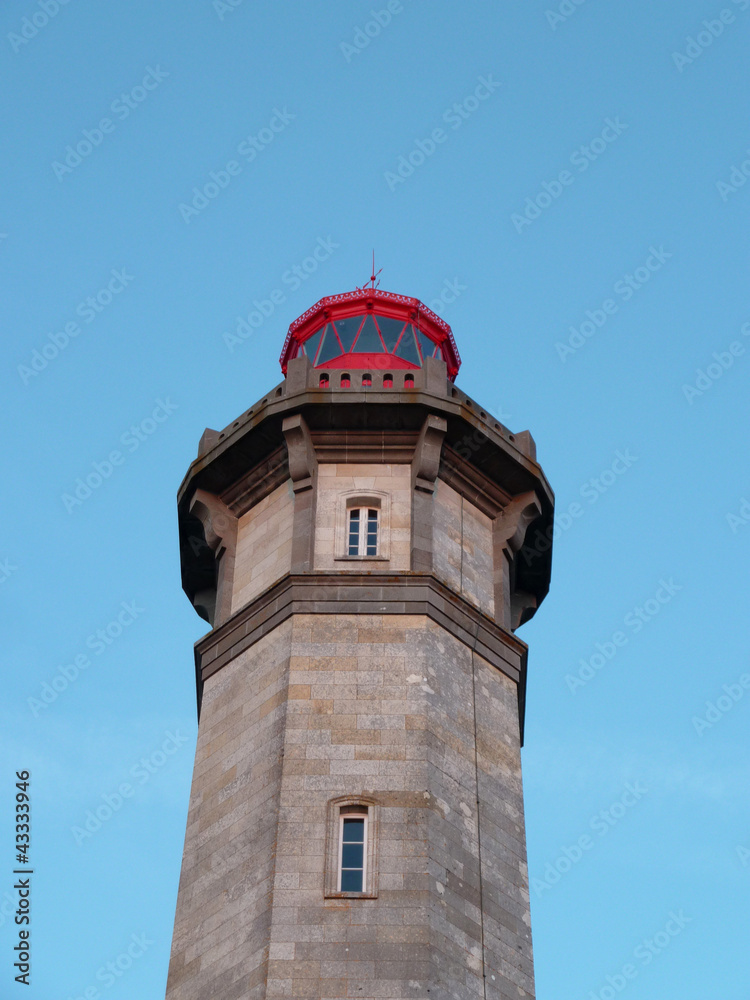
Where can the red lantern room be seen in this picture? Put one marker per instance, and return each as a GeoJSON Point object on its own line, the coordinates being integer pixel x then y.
{"type": "Point", "coordinates": [370, 329]}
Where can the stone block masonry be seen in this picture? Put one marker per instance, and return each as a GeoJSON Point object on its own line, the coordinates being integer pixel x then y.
{"type": "Point", "coordinates": [393, 708]}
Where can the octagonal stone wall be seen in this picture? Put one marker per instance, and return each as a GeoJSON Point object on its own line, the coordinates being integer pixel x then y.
{"type": "Point", "coordinates": [393, 708]}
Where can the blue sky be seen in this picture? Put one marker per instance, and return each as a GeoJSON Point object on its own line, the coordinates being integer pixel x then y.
{"type": "Point", "coordinates": [580, 219]}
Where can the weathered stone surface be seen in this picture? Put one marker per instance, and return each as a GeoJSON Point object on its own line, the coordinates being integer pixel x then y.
{"type": "Point", "coordinates": [389, 707]}
{"type": "Point", "coordinates": [392, 683]}
{"type": "Point", "coordinates": [264, 546]}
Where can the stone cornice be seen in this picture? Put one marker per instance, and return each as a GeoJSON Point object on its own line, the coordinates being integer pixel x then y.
{"type": "Point", "coordinates": [256, 484]}
{"type": "Point", "coordinates": [336, 593]}
{"type": "Point", "coordinates": [459, 473]}
{"type": "Point", "coordinates": [477, 456]}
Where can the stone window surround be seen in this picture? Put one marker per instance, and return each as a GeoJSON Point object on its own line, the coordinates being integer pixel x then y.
{"type": "Point", "coordinates": [335, 811]}
{"type": "Point", "coordinates": [371, 499]}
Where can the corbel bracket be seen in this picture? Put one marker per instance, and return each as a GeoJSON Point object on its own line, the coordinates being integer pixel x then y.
{"type": "Point", "coordinates": [303, 463]}
{"type": "Point", "coordinates": [426, 461]}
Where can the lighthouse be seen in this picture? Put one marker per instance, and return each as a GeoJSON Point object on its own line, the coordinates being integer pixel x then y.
{"type": "Point", "coordinates": [363, 542]}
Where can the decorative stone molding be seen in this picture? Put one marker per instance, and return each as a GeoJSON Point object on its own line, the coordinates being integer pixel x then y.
{"type": "Point", "coordinates": [303, 470]}
{"type": "Point", "coordinates": [220, 531]}
{"type": "Point", "coordinates": [258, 483]}
{"type": "Point", "coordinates": [299, 423]}
{"type": "Point", "coordinates": [303, 463]}
{"type": "Point", "coordinates": [512, 605]}
{"type": "Point", "coordinates": [426, 461]}
{"type": "Point", "coordinates": [467, 481]}
{"type": "Point", "coordinates": [329, 593]}
{"type": "Point", "coordinates": [425, 465]}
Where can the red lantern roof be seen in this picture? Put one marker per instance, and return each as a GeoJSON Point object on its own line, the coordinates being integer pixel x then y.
{"type": "Point", "coordinates": [369, 328]}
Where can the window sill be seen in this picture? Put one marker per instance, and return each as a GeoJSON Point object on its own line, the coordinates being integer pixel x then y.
{"type": "Point", "coordinates": [361, 559]}
{"type": "Point", "coordinates": [351, 895]}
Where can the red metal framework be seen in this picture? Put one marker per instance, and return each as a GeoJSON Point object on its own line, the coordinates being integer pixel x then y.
{"type": "Point", "coordinates": [370, 328]}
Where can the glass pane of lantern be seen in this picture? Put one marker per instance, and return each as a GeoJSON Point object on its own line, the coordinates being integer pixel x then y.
{"type": "Point", "coordinates": [391, 331]}
{"type": "Point", "coordinates": [428, 346]}
{"type": "Point", "coordinates": [368, 341]}
{"type": "Point", "coordinates": [310, 346]}
{"type": "Point", "coordinates": [347, 329]}
{"type": "Point", "coordinates": [407, 349]}
{"type": "Point", "coordinates": [330, 347]}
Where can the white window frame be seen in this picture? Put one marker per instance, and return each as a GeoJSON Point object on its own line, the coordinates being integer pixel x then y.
{"type": "Point", "coordinates": [351, 807]}
{"type": "Point", "coordinates": [353, 812]}
{"type": "Point", "coordinates": [363, 539]}
{"type": "Point", "coordinates": [370, 500]}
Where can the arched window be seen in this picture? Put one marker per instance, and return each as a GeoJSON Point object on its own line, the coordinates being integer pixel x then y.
{"type": "Point", "coordinates": [363, 531]}
{"type": "Point", "coordinates": [351, 852]}
{"type": "Point", "coordinates": [323, 381]}
{"type": "Point", "coordinates": [362, 527]}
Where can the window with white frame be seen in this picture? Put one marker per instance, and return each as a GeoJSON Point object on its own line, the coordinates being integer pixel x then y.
{"type": "Point", "coordinates": [363, 531]}
{"type": "Point", "coordinates": [362, 528]}
{"type": "Point", "coordinates": [352, 856]}
{"type": "Point", "coordinates": [352, 867]}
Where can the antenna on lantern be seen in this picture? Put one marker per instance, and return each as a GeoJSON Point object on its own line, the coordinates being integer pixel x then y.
{"type": "Point", "coordinates": [374, 272]}
{"type": "Point", "coordinates": [373, 276]}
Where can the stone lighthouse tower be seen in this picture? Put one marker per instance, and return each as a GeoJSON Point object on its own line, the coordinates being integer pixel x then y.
{"type": "Point", "coordinates": [359, 542]}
